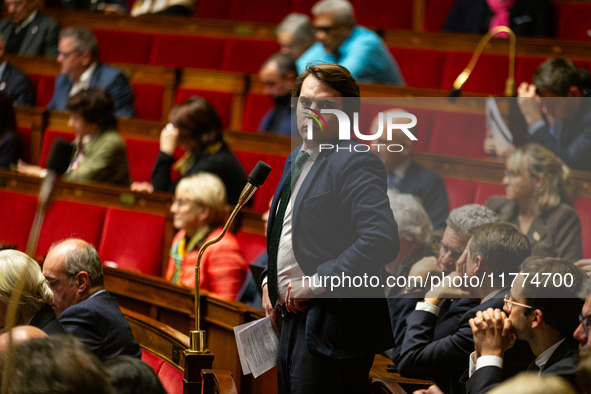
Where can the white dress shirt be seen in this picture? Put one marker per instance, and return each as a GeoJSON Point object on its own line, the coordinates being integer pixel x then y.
{"type": "Point", "coordinates": [84, 81]}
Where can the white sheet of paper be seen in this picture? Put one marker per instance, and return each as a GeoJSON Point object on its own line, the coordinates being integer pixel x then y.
{"type": "Point", "coordinates": [243, 363]}
{"type": "Point", "coordinates": [495, 123]}
{"type": "Point", "coordinates": [261, 345]}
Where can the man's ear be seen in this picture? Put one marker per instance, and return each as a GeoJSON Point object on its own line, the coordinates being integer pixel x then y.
{"type": "Point", "coordinates": [82, 281]}
{"type": "Point", "coordinates": [478, 264]}
{"type": "Point", "coordinates": [86, 59]}
{"type": "Point", "coordinates": [538, 318]}
{"type": "Point", "coordinates": [574, 91]}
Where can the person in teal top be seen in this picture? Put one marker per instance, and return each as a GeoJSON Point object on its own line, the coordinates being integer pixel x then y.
{"type": "Point", "coordinates": [341, 41]}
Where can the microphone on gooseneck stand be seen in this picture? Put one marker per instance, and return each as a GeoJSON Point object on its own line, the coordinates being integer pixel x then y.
{"type": "Point", "coordinates": [59, 162]}
{"type": "Point", "coordinates": [256, 178]}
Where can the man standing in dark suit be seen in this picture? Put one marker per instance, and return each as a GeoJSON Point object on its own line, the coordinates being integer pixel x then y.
{"type": "Point", "coordinates": [28, 32]}
{"type": "Point", "coordinates": [329, 218]}
{"type": "Point", "coordinates": [14, 83]}
{"type": "Point", "coordinates": [405, 175]}
{"type": "Point", "coordinates": [78, 55]}
{"type": "Point", "coordinates": [539, 312]}
{"type": "Point", "coordinates": [81, 303]}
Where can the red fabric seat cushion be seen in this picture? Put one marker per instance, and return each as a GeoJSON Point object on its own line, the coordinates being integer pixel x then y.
{"type": "Point", "coordinates": [153, 361]}
{"type": "Point", "coordinates": [484, 191]}
{"type": "Point", "coordinates": [247, 55]}
{"type": "Point", "coordinates": [16, 212]}
{"type": "Point", "coordinates": [436, 14]}
{"type": "Point", "coordinates": [49, 138]}
{"type": "Point", "coordinates": [489, 75]}
{"type": "Point", "coordinates": [574, 22]}
{"type": "Point", "coordinates": [141, 155]}
{"type": "Point", "coordinates": [45, 87]}
{"type": "Point", "coordinates": [421, 68]}
{"type": "Point", "coordinates": [171, 378]}
{"type": "Point", "coordinates": [121, 46]}
{"type": "Point", "coordinates": [133, 240]}
{"type": "Point", "coordinates": [217, 9]}
{"type": "Point", "coordinates": [460, 192]}
{"type": "Point", "coordinates": [148, 101]}
{"type": "Point", "coordinates": [175, 50]}
{"type": "Point", "coordinates": [251, 245]}
{"type": "Point", "coordinates": [385, 14]}
{"type": "Point", "coordinates": [265, 11]}
{"type": "Point", "coordinates": [458, 134]}
{"type": "Point", "coordinates": [255, 107]}
{"type": "Point", "coordinates": [583, 208]}
{"type": "Point", "coordinates": [66, 219]}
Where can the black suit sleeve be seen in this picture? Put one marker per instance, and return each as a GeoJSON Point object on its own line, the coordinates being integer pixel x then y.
{"type": "Point", "coordinates": [24, 94]}
{"type": "Point", "coordinates": [484, 379]}
{"type": "Point", "coordinates": [161, 173]}
{"type": "Point", "coordinates": [122, 95]}
{"type": "Point", "coordinates": [576, 154]}
{"type": "Point", "coordinates": [82, 327]}
{"type": "Point", "coordinates": [51, 40]}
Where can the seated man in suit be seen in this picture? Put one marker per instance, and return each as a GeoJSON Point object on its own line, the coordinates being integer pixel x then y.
{"type": "Point", "coordinates": [405, 175]}
{"type": "Point", "coordinates": [81, 303]}
{"type": "Point", "coordinates": [278, 74]}
{"type": "Point", "coordinates": [28, 32]}
{"type": "Point", "coordinates": [539, 312]}
{"type": "Point", "coordinates": [342, 41]}
{"type": "Point", "coordinates": [78, 55]}
{"type": "Point", "coordinates": [557, 114]}
{"type": "Point", "coordinates": [14, 83]}
{"type": "Point", "coordinates": [496, 248]}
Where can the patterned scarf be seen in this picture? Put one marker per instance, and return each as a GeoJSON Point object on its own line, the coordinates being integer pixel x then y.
{"type": "Point", "coordinates": [180, 248]}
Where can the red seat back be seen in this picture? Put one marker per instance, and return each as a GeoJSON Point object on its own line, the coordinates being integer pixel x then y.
{"type": "Point", "coordinates": [153, 361]}
{"type": "Point", "coordinates": [247, 55]}
{"type": "Point", "coordinates": [458, 134]}
{"type": "Point", "coordinates": [385, 14]}
{"type": "Point", "coordinates": [583, 208]}
{"type": "Point", "coordinates": [141, 155]}
{"type": "Point", "coordinates": [460, 192]}
{"type": "Point", "coordinates": [45, 87]}
{"type": "Point", "coordinates": [574, 22]}
{"type": "Point", "coordinates": [265, 192]}
{"type": "Point", "coordinates": [421, 68]}
{"type": "Point", "coordinates": [25, 134]}
{"type": "Point", "coordinates": [265, 11]}
{"type": "Point", "coordinates": [171, 378]}
{"type": "Point", "coordinates": [66, 219]}
{"type": "Point", "coordinates": [16, 217]}
{"type": "Point", "coordinates": [251, 245]}
{"type": "Point", "coordinates": [133, 240]}
{"type": "Point", "coordinates": [484, 191]}
{"type": "Point", "coordinates": [436, 14]}
{"type": "Point", "coordinates": [489, 75]}
{"type": "Point", "coordinates": [148, 101]}
{"type": "Point", "coordinates": [121, 46]}
{"type": "Point", "coordinates": [255, 107]}
{"type": "Point", "coordinates": [217, 9]}
{"type": "Point", "coordinates": [181, 51]}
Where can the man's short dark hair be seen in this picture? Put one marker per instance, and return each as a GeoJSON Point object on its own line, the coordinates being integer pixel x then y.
{"type": "Point", "coordinates": [501, 245]}
{"type": "Point", "coordinates": [95, 106]}
{"type": "Point", "coordinates": [84, 40]}
{"type": "Point", "coordinates": [130, 375]}
{"type": "Point", "coordinates": [338, 78]}
{"type": "Point", "coordinates": [556, 76]}
{"type": "Point", "coordinates": [56, 364]}
{"type": "Point", "coordinates": [285, 63]}
{"type": "Point", "coordinates": [556, 297]}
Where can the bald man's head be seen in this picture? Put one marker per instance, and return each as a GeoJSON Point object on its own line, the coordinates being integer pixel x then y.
{"type": "Point", "coordinates": [20, 334]}
{"type": "Point", "coordinates": [74, 272]}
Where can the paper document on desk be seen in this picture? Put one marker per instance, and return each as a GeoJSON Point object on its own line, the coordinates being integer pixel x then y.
{"type": "Point", "coordinates": [496, 125]}
{"type": "Point", "coordinates": [258, 345]}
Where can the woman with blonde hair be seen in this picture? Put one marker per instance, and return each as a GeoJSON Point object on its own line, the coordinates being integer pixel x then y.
{"type": "Point", "coordinates": [535, 201]}
{"type": "Point", "coordinates": [199, 210]}
{"type": "Point", "coordinates": [35, 302]}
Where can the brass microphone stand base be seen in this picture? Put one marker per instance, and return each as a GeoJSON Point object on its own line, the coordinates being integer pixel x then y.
{"type": "Point", "coordinates": [197, 358]}
{"type": "Point", "coordinates": [197, 342]}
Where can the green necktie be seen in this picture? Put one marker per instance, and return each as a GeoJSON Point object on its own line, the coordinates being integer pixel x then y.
{"type": "Point", "coordinates": [278, 224]}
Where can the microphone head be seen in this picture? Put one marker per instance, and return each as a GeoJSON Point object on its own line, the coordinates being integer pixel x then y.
{"type": "Point", "coordinates": [259, 174]}
{"type": "Point", "coordinates": [61, 155]}
{"type": "Point", "coordinates": [453, 93]}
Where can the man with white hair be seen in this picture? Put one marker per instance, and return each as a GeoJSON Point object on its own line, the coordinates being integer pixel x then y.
{"type": "Point", "coordinates": [342, 41]}
{"type": "Point", "coordinates": [27, 31]}
{"type": "Point", "coordinates": [295, 34]}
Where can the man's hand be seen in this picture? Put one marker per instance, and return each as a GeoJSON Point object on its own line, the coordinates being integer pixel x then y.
{"type": "Point", "coordinates": [295, 305]}
{"type": "Point", "coordinates": [492, 333]}
{"type": "Point", "coordinates": [269, 309]}
{"type": "Point", "coordinates": [434, 389]}
{"type": "Point", "coordinates": [28, 169]}
{"type": "Point", "coordinates": [585, 265]}
{"type": "Point", "coordinates": [529, 103]}
{"type": "Point", "coordinates": [422, 268]}
{"type": "Point", "coordinates": [144, 187]}
{"type": "Point", "coordinates": [447, 290]}
{"type": "Point", "coordinates": [169, 137]}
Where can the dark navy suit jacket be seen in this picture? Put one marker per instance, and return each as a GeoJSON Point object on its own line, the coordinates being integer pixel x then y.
{"type": "Point", "coordinates": [40, 39]}
{"type": "Point", "coordinates": [563, 362]}
{"type": "Point", "coordinates": [342, 224]}
{"type": "Point", "coordinates": [446, 359]}
{"type": "Point", "coordinates": [45, 320]}
{"type": "Point", "coordinates": [16, 84]}
{"type": "Point", "coordinates": [99, 323]}
{"type": "Point", "coordinates": [104, 77]}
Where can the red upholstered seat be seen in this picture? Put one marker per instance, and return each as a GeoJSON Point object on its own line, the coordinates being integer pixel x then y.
{"type": "Point", "coordinates": [436, 14]}
{"type": "Point", "coordinates": [265, 192]}
{"type": "Point", "coordinates": [488, 76]}
{"type": "Point", "coordinates": [247, 55]}
{"type": "Point", "coordinates": [148, 101]}
{"type": "Point", "coordinates": [255, 108]}
{"type": "Point", "coordinates": [217, 9]}
{"type": "Point", "coordinates": [48, 139]}
{"type": "Point", "coordinates": [25, 134]}
{"type": "Point", "coordinates": [460, 192]}
{"type": "Point", "coordinates": [66, 219]}
{"type": "Point", "coordinates": [583, 208]}
{"type": "Point", "coordinates": [303, 6]}
{"type": "Point", "coordinates": [45, 87]}
{"type": "Point", "coordinates": [133, 240]}
{"type": "Point", "coordinates": [171, 378]}
{"type": "Point", "coordinates": [221, 101]}
{"type": "Point", "coordinates": [16, 217]}
{"type": "Point", "coordinates": [421, 68]}
{"type": "Point", "coordinates": [486, 190]}
{"type": "Point", "coordinates": [266, 11]}
{"type": "Point", "coordinates": [121, 46]}
{"type": "Point", "coordinates": [458, 134]}
{"type": "Point", "coordinates": [141, 155]}
{"type": "Point", "coordinates": [175, 50]}
{"type": "Point", "coordinates": [251, 245]}
{"type": "Point", "coordinates": [525, 68]}
{"type": "Point", "coordinates": [153, 361]}
{"type": "Point", "coordinates": [384, 14]}
{"type": "Point", "coordinates": [574, 22]}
